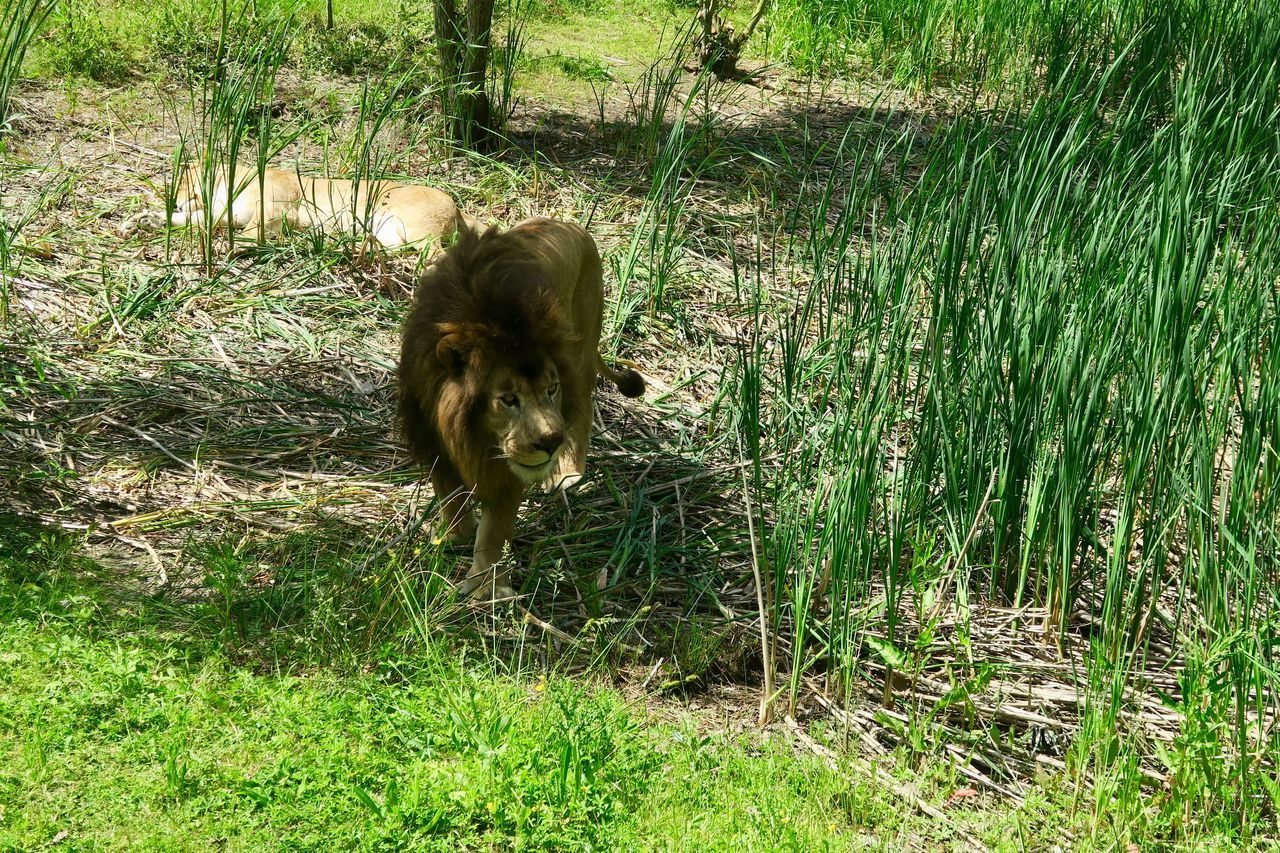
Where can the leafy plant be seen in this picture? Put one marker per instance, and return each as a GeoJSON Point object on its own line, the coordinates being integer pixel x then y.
{"type": "Point", "coordinates": [84, 46]}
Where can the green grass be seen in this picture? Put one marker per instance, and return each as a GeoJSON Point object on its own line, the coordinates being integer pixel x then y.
{"type": "Point", "coordinates": [986, 44]}
{"type": "Point", "coordinates": [20, 23]}
{"type": "Point", "coordinates": [141, 720]}
{"type": "Point", "coordinates": [127, 723]}
{"type": "Point", "coordinates": [109, 41]}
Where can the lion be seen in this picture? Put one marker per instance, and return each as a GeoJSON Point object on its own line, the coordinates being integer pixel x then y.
{"type": "Point", "coordinates": [388, 214]}
{"type": "Point", "coordinates": [498, 363]}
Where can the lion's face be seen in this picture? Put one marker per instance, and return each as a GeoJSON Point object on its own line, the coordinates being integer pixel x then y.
{"type": "Point", "coordinates": [523, 413]}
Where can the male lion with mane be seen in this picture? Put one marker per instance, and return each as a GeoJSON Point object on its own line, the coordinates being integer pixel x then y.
{"type": "Point", "coordinates": [497, 367]}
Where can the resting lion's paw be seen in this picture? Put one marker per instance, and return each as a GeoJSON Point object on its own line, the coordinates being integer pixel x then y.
{"type": "Point", "coordinates": [147, 220]}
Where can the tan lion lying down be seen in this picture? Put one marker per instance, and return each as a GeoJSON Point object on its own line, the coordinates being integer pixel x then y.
{"type": "Point", "coordinates": [388, 213]}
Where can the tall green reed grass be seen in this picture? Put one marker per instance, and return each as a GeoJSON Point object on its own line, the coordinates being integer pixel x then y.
{"type": "Point", "coordinates": [1042, 372]}
{"type": "Point", "coordinates": [515, 16]}
{"type": "Point", "coordinates": [232, 110]}
{"type": "Point", "coordinates": [389, 127]}
{"type": "Point", "coordinates": [20, 24]}
{"type": "Point", "coordinates": [988, 43]}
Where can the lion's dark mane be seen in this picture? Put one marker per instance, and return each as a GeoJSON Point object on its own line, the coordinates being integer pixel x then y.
{"type": "Point", "coordinates": [486, 300]}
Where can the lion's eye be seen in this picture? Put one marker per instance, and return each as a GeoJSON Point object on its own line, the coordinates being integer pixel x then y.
{"type": "Point", "coordinates": [511, 401]}
{"type": "Point", "coordinates": [553, 390]}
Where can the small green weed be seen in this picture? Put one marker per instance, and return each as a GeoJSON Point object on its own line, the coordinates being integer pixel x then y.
{"type": "Point", "coordinates": [583, 68]}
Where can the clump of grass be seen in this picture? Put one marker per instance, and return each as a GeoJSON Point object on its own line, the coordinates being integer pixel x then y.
{"type": "Point", "coordinates": [389, 127]}
{"type": "Point", "coordinates": [15, 217]}
{"type": "Point", "coordinates": [199, 37]}
{"type": "Point", "coordinates": [685, 134]}
{"type": "Point", "coordinates": [233, 115]}
{"type": "Point", "coordinates": [20, 24]}
{"type": "Point", "coordinates": [557, 9]}
{"type": "Point", "coordinates": [587, 69]}
{"type": "Point", "coordinates": [368, 46]}
{"type": "Point", "coordinates": [655, 99]}
{"type": "Point", "coordinates": [993, 43]}
{"type": "Point", "coordinates": [508, 57]}
{"type": "Point", "coordinates": [352, 48]}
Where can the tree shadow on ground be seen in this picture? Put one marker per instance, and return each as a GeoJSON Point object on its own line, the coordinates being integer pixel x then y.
{"type": "Point", "coordinates": [740, 151]}
{"type": "Point", "coordinates": [268, 511]}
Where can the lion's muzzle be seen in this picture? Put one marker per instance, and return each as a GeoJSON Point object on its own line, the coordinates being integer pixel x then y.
{"type": "Point", "coordinates": [549, 443]}
{"type": "Point", "coordinates": [533, 462]}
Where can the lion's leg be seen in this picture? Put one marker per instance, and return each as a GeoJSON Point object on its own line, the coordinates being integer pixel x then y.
{"type": "Point", "coordinates": [249, 218]}
{"type": "Point", "coordinates": [572, 464]}
{"type": "Point", "coordinates": [497, 525]}
{"type": "Point", "coordinates": [195, 212]}
{"type": "Point", "coordinates": [199, 217]}
{"type": "Point", "coordinates": [389, 230]}
{"type": "Point", "coordinates": [580, 437]}
{"type": "Point", "coordinates": [457, 521]}
{"type": "Point", "coordinates": [182, 216]}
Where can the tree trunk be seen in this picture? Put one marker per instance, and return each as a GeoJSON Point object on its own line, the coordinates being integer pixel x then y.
{"type": "Point", "coordinates": [463, 37]}
{"type": "Point", "coordinates": [720, 48]}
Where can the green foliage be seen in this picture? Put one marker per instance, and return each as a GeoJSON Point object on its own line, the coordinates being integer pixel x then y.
{"type": "Point", "coordinates": [987, 42]}
{"type": "Point", "coordinates": [362, 46]}
{"type": "Point", "coordinates": [353, 48]}
{"type": "Point", "coordinates": [563, 9]}
{"type": "Point", "coordinates": [82, 45]}
{"type": "Point", "coordinates": [122, 722]}
{"type": "Point", "coordinates": [583, 68]}
{"type": "Point", "coordinates": [1034, 373]}
{"type": "Point", "coordinates": [197, 37]}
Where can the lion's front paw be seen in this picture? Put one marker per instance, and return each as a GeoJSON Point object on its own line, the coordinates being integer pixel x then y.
{"type": "Point", "coordinates": [486, 591]}
{"type": "Point", "coordinates": [499, 594]}
{"type": "Point", "coordinates": [561, 482]}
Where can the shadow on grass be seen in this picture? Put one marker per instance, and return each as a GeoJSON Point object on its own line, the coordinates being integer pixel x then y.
{"type": "Point", "coordinates": [268, 513]}
{"type": "Point", "coordinates": [273, 603]}
{"type": "Point", "coordinates": [740, 149]}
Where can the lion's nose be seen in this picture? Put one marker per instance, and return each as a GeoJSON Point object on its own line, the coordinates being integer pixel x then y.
{"type": "Point", "coordinates": [549, 443]}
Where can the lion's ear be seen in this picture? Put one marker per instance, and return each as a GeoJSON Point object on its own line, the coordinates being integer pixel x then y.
{"type": "Point", "coordinates": [453, 351]}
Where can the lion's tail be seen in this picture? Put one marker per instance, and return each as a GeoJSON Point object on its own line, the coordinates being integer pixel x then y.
{"type": "Point", "coordinates": [629, 382]}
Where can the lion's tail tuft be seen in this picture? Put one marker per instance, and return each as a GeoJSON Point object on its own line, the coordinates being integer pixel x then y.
{"type": "Point", "coordinates": [628, 381]}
